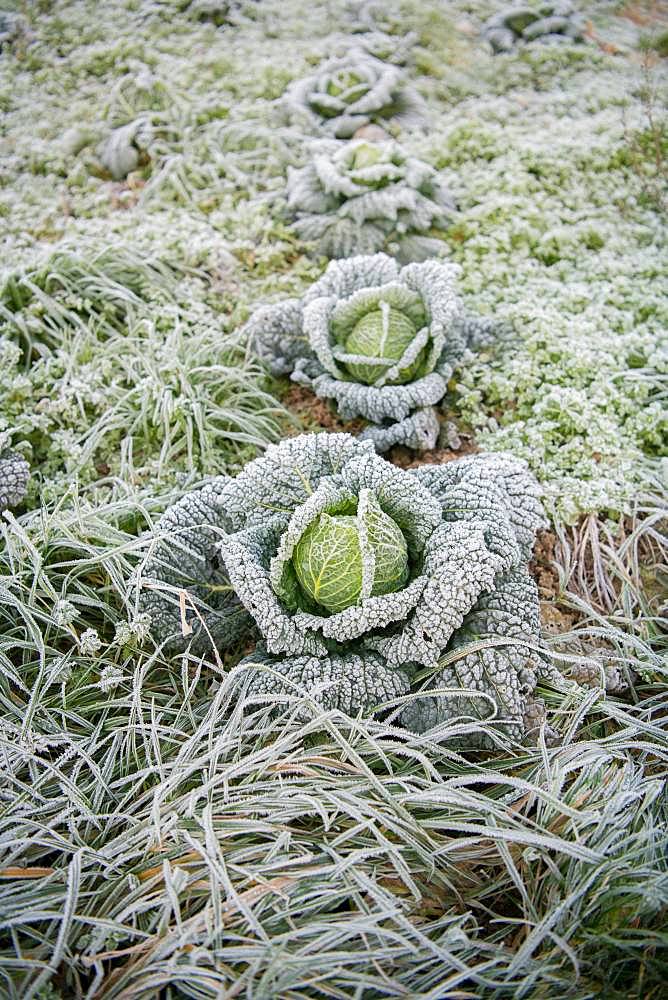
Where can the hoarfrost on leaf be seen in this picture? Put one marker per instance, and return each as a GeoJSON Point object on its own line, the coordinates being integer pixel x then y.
{"type": "Point", "coordinates": [550, 23]}
{"type": "Point", "coordinates": [183, 588]}
{"type": "Point", "coordinates": [14, 476]}
{"type": "Point", "coordinates": [121, 152]}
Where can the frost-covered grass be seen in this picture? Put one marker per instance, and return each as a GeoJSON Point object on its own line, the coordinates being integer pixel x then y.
{"type": "Point", "coordinates": [159, 833]}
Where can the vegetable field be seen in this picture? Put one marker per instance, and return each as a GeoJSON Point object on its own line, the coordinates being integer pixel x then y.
{"type": "Point", "coordinates": [333, 467]}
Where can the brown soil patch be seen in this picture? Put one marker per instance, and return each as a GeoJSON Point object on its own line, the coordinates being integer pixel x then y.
{"type": "Point", "coordinates": [554, 617]}
{"type": "Point", "coordinates": [317, 413]}
{"type": "Point", "coordinates": [407, 459]}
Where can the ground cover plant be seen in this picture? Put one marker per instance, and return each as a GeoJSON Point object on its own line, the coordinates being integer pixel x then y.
{"type": "Point", "coordinates": [185, 812]}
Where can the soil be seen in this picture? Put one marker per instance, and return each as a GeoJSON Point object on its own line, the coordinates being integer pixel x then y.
{"type": "Point", "coordinates": [554, 618]}
{"type": "Point", "coordinates": [317, 413]}
{"type": "Point", "coordinates": [407, 459]}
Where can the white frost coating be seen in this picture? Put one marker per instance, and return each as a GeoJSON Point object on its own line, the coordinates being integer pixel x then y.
{"type": "Point", "coordinates": [470, 487]}
{"type": "Point", "coordinates": [419, 431]}
{"type": "Point", "coordinates": [507, 674]}
{"type": "Point", "coordinates": [352, 91]}
{"type": "Point", "coordinates": [368, 196]}
{"type": "Point", "coordinates": [276, 333]}
{"type": "Point", "coordinates": [366, 503]}
{"type": "Point", "coordinates": [120, 153]}
{"type": "Point", "coordinates": [467, 530]}
{"type": "Point", "coordinates": [309, 335]}
{"type": "Point", "coordinates": [14, 475]}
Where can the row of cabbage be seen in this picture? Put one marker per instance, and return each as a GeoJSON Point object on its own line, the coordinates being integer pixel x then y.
{"type": "Point", "coordinates": [364, 585]}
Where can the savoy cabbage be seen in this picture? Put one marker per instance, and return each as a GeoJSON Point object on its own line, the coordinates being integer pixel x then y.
{"type": "Point", "coordinates": [550, 23]}
{"type": "Point", "coordinates": [364, 196]}
{"type": "Point", "coordinates": [14, 29]}
{"type": "Point", "coordinates": [124, 149]}
{"type": "Point", "coordinates": [350, 91]}
{"type": "Point", "coordinates": [379, 339]}
{"type": "Point", "coordinates": [358, 576]}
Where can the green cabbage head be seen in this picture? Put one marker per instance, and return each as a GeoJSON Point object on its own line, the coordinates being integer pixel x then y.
{"type": "Point", "coordinates": [345, 556]}
{"type": "Point", "coordinates": [359, 578]}
{"type": "Point", "coordinates": [382, 341]}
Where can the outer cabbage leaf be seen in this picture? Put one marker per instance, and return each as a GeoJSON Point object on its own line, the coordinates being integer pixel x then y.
{"type": "Point", "coordinates": [353, 683]}
{"type": "Point", "coordinates": [418, 431]}
{"type": "Point", "coordinates": [506, 674]}
{"type": "Point", "coordinates": [183, 584]}
{"type": "Point", "coordinates": [286, 475]}
{"type": "Point", "coordinates": [478, 486]}
{"type": "Point", "coordinates": [14, 476]}
{"type": "Point", "coordinates": [276, 332]}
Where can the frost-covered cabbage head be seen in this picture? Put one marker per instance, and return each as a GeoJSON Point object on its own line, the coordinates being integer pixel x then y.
{"type": "Point", "coordinates": [379, 339]}
{"type": "Point", "coordinates": [358, 575]}
{"type": "Point", "coordinates": [348, 92]}
{"type": "Point", "coordinates": [551, 23]}
{"type": "Point", "coordinates": [363, 196]}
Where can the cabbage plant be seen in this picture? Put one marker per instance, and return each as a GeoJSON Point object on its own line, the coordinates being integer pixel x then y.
{"type": "Point", "coordinates": [351, 91]}
{"type": "Point", "coordinates": [380, 340]}
{"type": "Point", "coordinates": [361, 197]}
{"type": "Point", "coordinates": [14, 475]}
{"type": "Point", "coordinates": [551, 23]}
{"type": "Point", "coordinates": [362, 579]}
